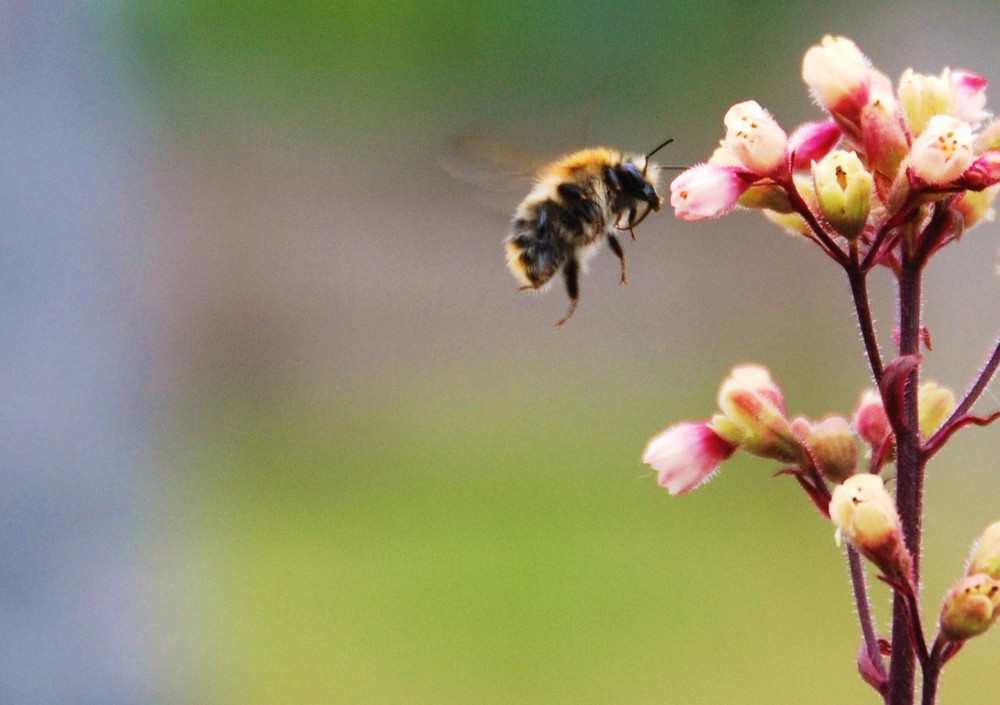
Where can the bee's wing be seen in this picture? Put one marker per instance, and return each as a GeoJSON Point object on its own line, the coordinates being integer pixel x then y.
{"type": "Point", "coordinates": [500, 173]}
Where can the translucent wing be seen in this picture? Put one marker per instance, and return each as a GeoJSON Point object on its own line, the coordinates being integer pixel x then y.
{"type": "Point", "coordinates": [500, 173]}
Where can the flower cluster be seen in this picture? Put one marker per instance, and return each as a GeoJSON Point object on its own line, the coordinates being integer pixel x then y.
{"type": "Point", "coordinates": [888, 177]}
{"type": "Point", "coordinates": [880, 155]}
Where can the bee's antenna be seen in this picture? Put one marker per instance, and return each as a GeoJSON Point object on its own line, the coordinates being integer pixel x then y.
{"type": "Point", "coordinates": [656, 149]}
{"type": "Point", "coordinates": [660, 146]}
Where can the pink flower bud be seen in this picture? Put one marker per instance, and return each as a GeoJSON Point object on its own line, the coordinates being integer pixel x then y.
{"type": "Point", "coordinates": [970, 607]}
{"type": "Point", "coordinates": [985, 557]}
{"type": "Point", "coordinates": [838, 74]}
{"type": "Point", "coordinates": [983, 172]}
{"type": "Point", "coordinates": [812, 141]}
{"type": "Point", "coordinates": [970, 96]}
{"type": "Point", "coordinates": [865, 515]}
{"type": "Point", "coordinates": [686, 455]}
{"type": "Point", "coordinates": [884, 142]}
{"type": "Point", "coordinates": [755, 138]}
{"type": "Point", "coordinates": [942, 151]}
{"type": "Point", "coordinates": [707, 191]}
{"type": "Point", "coordinates": [870, 420]}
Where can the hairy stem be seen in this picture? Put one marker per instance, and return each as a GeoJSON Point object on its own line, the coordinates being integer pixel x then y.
{"type": "Point", "coordinates": [932, 671]}
{"type": "Point", "coordinates": [970, 398]}
{"type": "Point", "coordinates": [862, 308]}
{"type": "Point", "coordinates": [865, 611]}
{"type": "Point", "coordinates": [909, 484]}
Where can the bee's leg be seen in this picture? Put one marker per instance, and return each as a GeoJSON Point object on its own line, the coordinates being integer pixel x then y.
{"type": "Point", "coordinates": [617, 249]}
{"type": "Point", "coordinates": [571, 271]}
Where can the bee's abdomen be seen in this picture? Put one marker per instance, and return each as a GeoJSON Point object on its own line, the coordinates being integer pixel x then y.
{"type": "Point", "coordinates": [540, 243]}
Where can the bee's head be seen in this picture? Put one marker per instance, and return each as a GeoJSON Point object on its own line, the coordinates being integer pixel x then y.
{"type": "Point", "coordinates": [639, 184]}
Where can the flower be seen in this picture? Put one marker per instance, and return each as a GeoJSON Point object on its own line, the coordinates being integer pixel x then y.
{"type": "Point", "coordinates": [983, 172]}
{"type": "Point", "coordinates": [942, 151]}
{"type": "Point", "coordinates": [923, 97]}
{"type": "Point", "coordinates": [985, 557]}
{"type": "Point", "coordinates": [844, 189]}
{"type": "Point", "coordinates": [970, 607]}
{"type": "Point", "coordinates": [989, 137]}
{"type": "Point", "coordinates": [970, 96]}
{"type": "Point", "coordinates": [977, 206]}
{"type": "Point", "coordinates": [707, 191]}
{"type": "Point", "coordinates": [865, 515]}
{"type": "Point", "coordinates": [838, 75]}
{"type": "Point", "coordinates": [884, 140]}
{"type": "Point", "coordinates": [812, 141]}
{"type": "Point", "coordinates": [831, 446]}
{"type": "Point", "coordinates": [755, 138]}
{"type": "Point", "coordinates": [753, 415]}
{"type": "Point", "coordinates": [935, 404]}
{"type": "Point", "coordinates": [870, 420]}
{"type": "Point", "coordinates": [686, 455]}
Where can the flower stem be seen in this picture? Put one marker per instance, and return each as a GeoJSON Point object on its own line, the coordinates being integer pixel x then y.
{"type": "Point", "coordinates": [865, 610]}
{"type": "Point", "coordinates": [862, 307]}
{"type": "Point", "coordinates": [932, 671]}
{"type": "Point", "coordinates": [970, 398]}
{"type": "Point", "coordinates": [909, 484]}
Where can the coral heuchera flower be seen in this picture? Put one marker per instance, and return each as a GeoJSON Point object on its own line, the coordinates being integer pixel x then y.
{"type": "Point", "coordinates": [755, 138]}
{"type": "Point", "coordinates": [865, 515]}
{"type": "Point", "coordinates": [985, 557]}
{"type": "Point", "coordinates": [844, 189]}
{"type": "Point", "coordinates": [707, 191]}
{"type": "Point", "coordinates": [686, 455]}
{"type": "Point", "coordinates": [942, 151]}
{"type": "Point", "coordinates": [971, 606]}
{"type": "Point", "coordinates": [838, 74]}
{"type": "Point", "coordinates": [877, 152]}
{"type": "Point", "coordinates": [753, 419]}
{"type": "Point", "coordinates": [890, 174]}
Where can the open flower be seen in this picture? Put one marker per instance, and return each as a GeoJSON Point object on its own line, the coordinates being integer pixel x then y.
{"type": "Point", "coordinates": [942, 151]}
{"type": "Point", "coordinates": [686, 455]}
{"type": "Point", "coordinates": [755, 138]}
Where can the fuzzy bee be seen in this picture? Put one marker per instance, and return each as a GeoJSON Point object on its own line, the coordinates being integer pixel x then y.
{"type": "Point", "coordinates": [576, 203]}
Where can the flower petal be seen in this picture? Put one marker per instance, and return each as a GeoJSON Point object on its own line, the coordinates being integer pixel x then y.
{"type": "Point", "coordinates": [686, 455]}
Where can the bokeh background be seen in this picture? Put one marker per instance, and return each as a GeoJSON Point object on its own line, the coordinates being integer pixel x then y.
{"type": "Point", "coordinates": [278, 427]}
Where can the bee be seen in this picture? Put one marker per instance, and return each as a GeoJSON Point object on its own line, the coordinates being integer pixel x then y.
{"type": "Point", "coordinates": [577, 202]}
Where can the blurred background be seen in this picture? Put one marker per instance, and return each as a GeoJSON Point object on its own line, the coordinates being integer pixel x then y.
{"type": "Point", "coordinates": [278, 427]}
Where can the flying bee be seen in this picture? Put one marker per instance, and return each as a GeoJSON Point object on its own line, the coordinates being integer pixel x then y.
{"type": "Point", "coordinates": [577, 202]}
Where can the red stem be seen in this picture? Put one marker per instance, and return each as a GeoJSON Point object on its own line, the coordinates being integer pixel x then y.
{"type": "Point", "coordinates": [970, 398]}
{"type": "Point", "coordinates": [909, 485]}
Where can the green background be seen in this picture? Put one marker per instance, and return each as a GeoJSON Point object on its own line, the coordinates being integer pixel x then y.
{"type": "Point", "coordinates": [384, 477]}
